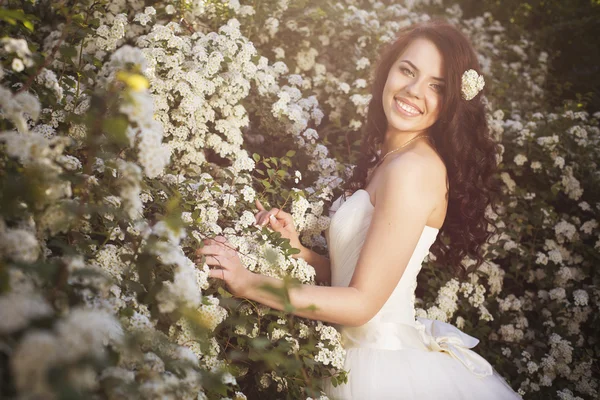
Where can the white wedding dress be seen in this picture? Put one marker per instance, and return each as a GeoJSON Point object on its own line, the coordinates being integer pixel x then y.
{"type": "Point", "coordinates": [395, 355]}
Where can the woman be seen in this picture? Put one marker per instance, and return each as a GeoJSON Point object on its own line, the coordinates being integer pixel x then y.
{"type": "Point", "coordinates": [429, 124]}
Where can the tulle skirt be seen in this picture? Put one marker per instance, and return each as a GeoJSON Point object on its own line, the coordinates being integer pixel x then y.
{"type": "Point", "coordinates": [413, 374]}
{"type": "Point", "coordinates": [429, 360]}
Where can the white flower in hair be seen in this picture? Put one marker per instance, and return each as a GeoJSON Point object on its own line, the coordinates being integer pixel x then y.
{"type": "Point", "coordinates": [472, 83]}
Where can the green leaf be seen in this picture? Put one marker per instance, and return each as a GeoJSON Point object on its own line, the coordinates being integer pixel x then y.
{"type": "Point", "coordinates": [79, 18]}
{"type": "Point", "coordinates": [12, 16]}
{"type": "Point", "coordinates": [28, 25]}
{"type": "Point", "coordinates": [127, 312]}
{"type": "Point", "coordinates": [116, 128]}
{"type": "Point", "coordinates": [290, 153]}
{"type": "Point", "coordinates": [260, 343]}
{"type": "Point", "coordinates": [270, 256]}
{"type": "Point", "coordinates": [256, 157]}
{"type": "Point", "coordinates": [224, 292]}
{"type": "Point", "coordinates": [68, 51]}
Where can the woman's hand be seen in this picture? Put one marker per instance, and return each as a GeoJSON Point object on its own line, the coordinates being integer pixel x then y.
{"type": "Point", "coordinates": [221, 254]}
{"type": "Point", "coordinates": [281, 222]}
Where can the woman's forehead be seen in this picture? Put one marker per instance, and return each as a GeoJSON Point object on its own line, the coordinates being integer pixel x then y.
{"type": "Point", "coordinates": [424, 55]}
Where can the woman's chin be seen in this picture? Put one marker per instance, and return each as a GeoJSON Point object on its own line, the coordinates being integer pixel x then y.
{"type": "Point", "coordinates": [405, 127]}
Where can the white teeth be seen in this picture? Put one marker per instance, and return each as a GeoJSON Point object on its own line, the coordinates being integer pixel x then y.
{"type": "Point", "coordinates": [407, 108]}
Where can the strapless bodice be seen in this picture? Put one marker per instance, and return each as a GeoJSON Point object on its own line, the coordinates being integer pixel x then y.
{"type": "Point", "coordinates": [350, 220]}
{"type": "Point", "coordinates": [395, 355]}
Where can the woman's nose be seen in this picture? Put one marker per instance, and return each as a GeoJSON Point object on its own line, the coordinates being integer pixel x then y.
{"type": "Point", "coordinates": [414, 89]}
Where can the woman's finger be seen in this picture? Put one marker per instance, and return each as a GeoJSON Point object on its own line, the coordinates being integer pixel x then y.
{"type": "Point", "coordinates": [216, 261]}
{"type": "Point", "coordinates": [210, 249]}
{"type": "Point", "coordinates": [217, 273]}
{"type": "Point", "coordinates": [259, 216]}
{"type": "Point", "coordinates": [283, 218]}
{"type": "Point", "coordinates": [282, 215]}
{"type": "Point", "coordinates": [275, 224]}
{"type": "Point", "coordinates": [262, 217]}
{"type": "Point", "coordinates": [265, 218]}
{"type": "Point", "coordinates": [259, 205]}
{"type": "Point", "coordinates": [220, 239]}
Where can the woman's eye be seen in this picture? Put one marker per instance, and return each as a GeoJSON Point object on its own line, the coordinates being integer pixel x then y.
{"type": "Point", "coordinates": [438, 88]}
{"type": "Point", "coordinates": [407, 71]}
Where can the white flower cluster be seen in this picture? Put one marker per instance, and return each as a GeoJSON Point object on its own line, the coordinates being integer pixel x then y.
{"type": "Point", "coordinates": [212, 314]}
{"type": "Point", "coordinates": [471, 84]}
{"type": "Point", "coordinates": [311, 223]}
{"type": "Point", "coordinates": [81, 333]}
{"type": "Point", "coordinates": [184, 289]}
{"type": "Point", "coordinates": [19, 108]}
{"type": "Point", "coordinates": [571, 185]}
{"type": "Point", "coordinates": [18, 245]}
{"type": "Point", "coordinates": [20, 48]}
{"type": "Point", "coordinates": [108, 260]}
{"type": "Point", "coordinates": [331, 350]}
{"type": "Point", "coordinates": [17, 309]}
{"type": "Point", "coordinates": [146, 16]}
{"type": "Point", "coordinates": [511, 302]}
{"type": "Point", "coordinates": [48, 79]}
{"type": "Point", "coordinates": [447, 301]}
{"type": "Point", "coordinates": [109, 36]}
{"type": "Point", "coordinates": [131, 178]}
{"type": "Point", "coordinates": [139, 107]}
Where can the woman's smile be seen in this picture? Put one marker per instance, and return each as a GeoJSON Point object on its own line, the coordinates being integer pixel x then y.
{"type": "Point", "coordinates": [405, 108]}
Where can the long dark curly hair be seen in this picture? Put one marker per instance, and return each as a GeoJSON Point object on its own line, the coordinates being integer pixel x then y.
{"type": "Point", "coordinates": [461, 137]}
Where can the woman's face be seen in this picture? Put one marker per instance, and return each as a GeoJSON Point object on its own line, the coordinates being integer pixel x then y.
{"type": "Point", "coordinates": [414, 90]}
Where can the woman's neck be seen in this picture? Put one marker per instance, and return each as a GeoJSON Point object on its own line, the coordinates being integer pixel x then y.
{"type": "Point", "coordinates": [396, 140]}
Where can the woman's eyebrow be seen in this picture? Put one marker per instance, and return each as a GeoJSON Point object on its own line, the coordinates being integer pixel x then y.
{"type": "Point", "coordinates": [413, 65]}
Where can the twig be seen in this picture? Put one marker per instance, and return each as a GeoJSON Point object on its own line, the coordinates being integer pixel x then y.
{"type": "Point", "coordinates": [303, 369]}
{"type": "Point", "coordinates": [187, 25]}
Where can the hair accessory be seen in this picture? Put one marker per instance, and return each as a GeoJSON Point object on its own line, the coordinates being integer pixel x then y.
{"type": "Point", "coordinates": [472, 83]}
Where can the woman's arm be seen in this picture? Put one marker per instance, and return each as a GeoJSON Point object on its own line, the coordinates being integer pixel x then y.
{"type": "Point", "coordinates": [338, 305]}
{"type": "Point", "coordinates": [404, 201]}
{"type": "Point", "coordinates": [320, 263]}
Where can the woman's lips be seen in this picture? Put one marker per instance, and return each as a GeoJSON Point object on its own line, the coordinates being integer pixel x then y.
{"type": "Point", "coordinates": [405, 108]}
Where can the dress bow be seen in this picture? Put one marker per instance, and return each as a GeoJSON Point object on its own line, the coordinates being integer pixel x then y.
{"type": "Point", "coordinates": [441, 336]}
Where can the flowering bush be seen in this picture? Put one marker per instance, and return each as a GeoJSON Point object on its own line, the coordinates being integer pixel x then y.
{"type": "Point", "coordinates": [132, 130]}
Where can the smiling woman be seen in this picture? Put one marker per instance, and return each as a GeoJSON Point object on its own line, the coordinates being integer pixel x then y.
{"type": "Point", "coordinates": [412, 95]}
{"type": "Point", "coordinates": [381, 235]}
{"type": "Point", "coordinates": [418, 88]}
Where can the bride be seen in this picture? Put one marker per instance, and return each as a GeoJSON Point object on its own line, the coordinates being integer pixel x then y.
{"type": "Point", "coordinates": [426, 168]}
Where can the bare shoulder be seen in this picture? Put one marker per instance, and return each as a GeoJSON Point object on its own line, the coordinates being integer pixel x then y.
{"type": "Point", "coordinates": [433, 163]}
{"type": "Point", "coordinates": [424, 163]}
{"type": "Point", "coordinates": [420, 174]}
